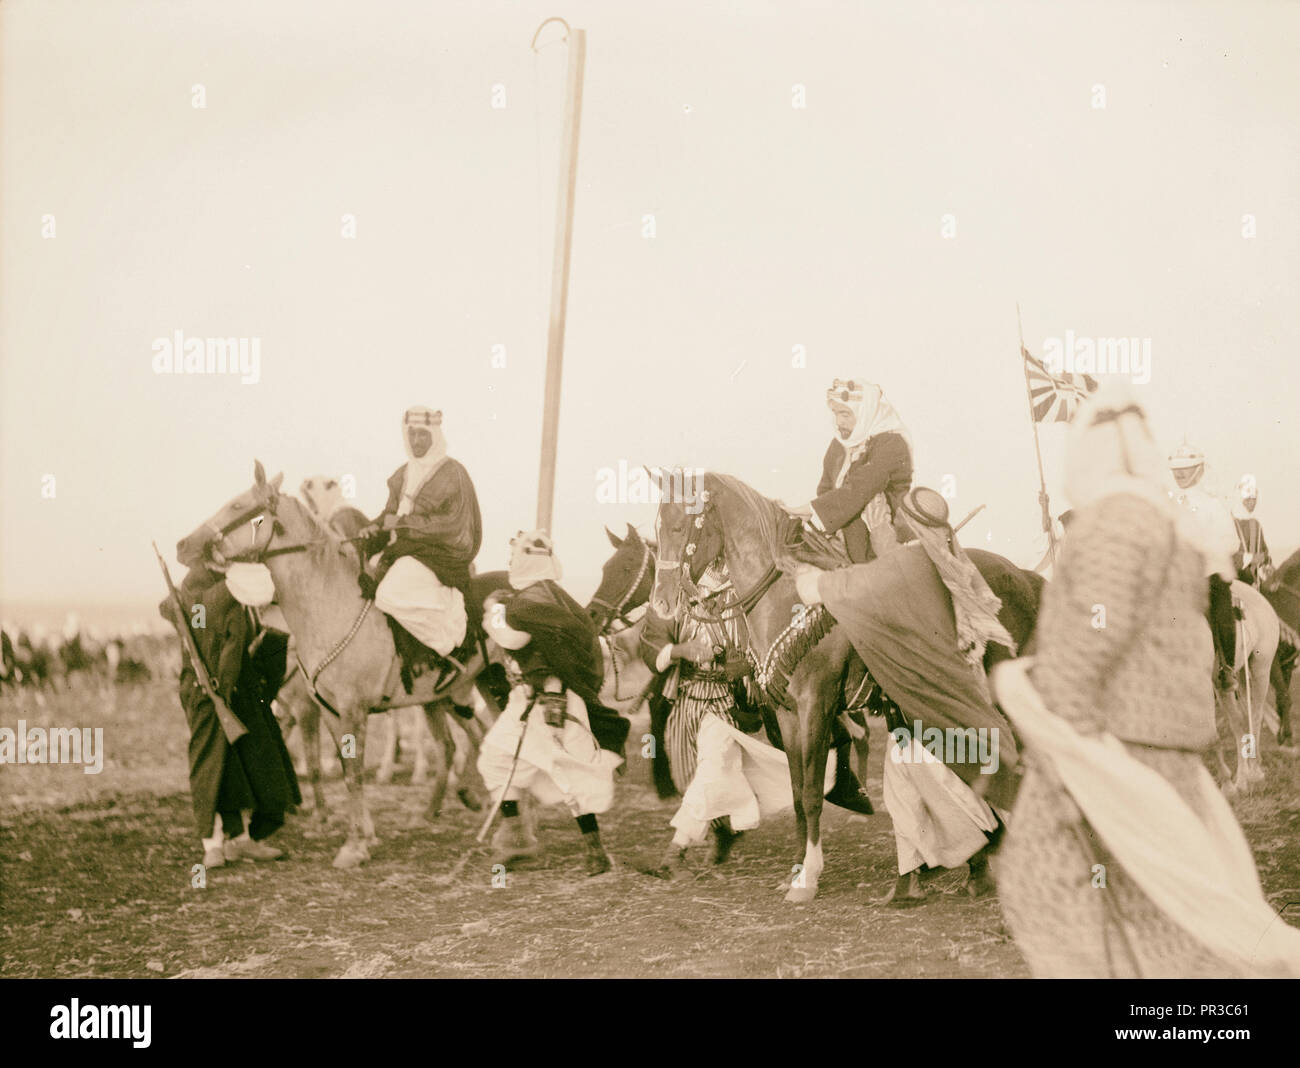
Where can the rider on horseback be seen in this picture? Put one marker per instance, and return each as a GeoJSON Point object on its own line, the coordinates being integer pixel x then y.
{"type": "Point", "coordinates": [866, 471]}
{"type": "Point", "coordinates": [429, 531]}
{"type": "Point", "coordinates": [1218, 542]}
{"type": "Point", "coordinates": [1251, 558]}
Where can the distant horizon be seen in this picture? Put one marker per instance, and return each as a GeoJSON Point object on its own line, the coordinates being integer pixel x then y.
{"type": "Point", "coordinates": [769, 197]}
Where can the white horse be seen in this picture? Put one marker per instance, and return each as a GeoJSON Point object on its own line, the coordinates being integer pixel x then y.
{"type": "Point", "coordinates": [1242, 714]}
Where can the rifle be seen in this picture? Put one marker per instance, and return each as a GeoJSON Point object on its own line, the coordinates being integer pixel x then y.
{"type": "Point", "coordinates": [229, 723]}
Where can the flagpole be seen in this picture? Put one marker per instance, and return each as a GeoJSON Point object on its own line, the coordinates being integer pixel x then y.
{"type": "Point", "coordinates": [1048, 526]}
{"type": "Point", "coordinates": [577, 45]}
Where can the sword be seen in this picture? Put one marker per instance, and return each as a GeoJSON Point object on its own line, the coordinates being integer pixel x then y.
{"type": "Point", "coordinates": [234, 730]}
{"type": "Point", "coordinates": [968, 519]}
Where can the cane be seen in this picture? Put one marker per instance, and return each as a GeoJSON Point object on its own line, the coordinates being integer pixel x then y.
{"type": "Point", "coordinates": [968, 519]}
{"type": "Point", "coordinates": [492, 813]}
{"type": "Point", "coordinates": [451, 876]}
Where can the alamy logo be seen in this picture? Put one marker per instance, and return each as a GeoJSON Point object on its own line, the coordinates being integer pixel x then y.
{"type": "Point", "coordinates": [53, 745]}
{"type": "Point", "coordinates": [638, 485]}
{"type": "Point", "coordinates": [948, 745]}
{"type": "Point", "coordinates": [102, 1021]}
{"type": "Point", "coordinates": [1099, 356]}
{"type": "Point", "coordinates": [179, 355]}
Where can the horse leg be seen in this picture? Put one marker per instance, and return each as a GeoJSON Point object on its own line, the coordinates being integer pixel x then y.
{"type": "Point", "coordinates": [1280, 677]}
{"type": "Point", "coordinates": [309, 730]}
{"type": "Point", "coordinates": [788, 721]}
{"type": "Point", "coordinates": [355, 851]}
{"type": "Point", "coordinates": [1257, 667]}
{"type": "Point", "coordinates": [660, 766]}
{"type": "Point", "coordinates": [420, 773]}
{"type": "Point", "coordinates": [388, 762]}
{"type": "Point", "coordinates": [816, 747]}
{"type": "Point", "coordinates": [435, 714]}
{"type": "Point", "coordinates": [472, 790]}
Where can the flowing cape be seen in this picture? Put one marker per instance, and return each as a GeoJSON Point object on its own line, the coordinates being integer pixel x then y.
{"type": "Point", "coordinates": [1201, 874]}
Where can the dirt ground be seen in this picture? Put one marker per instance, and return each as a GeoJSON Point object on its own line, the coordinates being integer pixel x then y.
{"type": "Point", "coordinates": [95, 881]}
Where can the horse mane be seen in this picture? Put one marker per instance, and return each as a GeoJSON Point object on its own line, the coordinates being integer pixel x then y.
{"type": "Point", "coordinates": [785, 537]}
{"type": "Point", "coordinates": [328, 542]}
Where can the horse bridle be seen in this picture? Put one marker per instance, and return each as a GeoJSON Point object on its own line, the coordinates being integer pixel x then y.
{"type": "Point", "coordinates": [617, 611]}
{"type": "Point", "coordinates": [735, 604]}
{"type": "Point", "coordinates": [255, 554]}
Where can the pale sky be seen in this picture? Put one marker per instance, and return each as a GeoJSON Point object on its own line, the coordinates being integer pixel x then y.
{"type": "Point", "coordinates": [774, 227]}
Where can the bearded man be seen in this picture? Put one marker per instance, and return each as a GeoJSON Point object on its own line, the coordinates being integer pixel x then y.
{"type": "Point", "coordinates": [430, 531]}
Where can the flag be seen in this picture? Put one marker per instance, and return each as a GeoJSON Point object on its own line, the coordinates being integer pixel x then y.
{"type": "Point", "coordinates": [1054, 398]}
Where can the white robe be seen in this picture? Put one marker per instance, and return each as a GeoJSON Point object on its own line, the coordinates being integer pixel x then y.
{"type": "Point", "coordinates": [938, 819]}
{"type": "Point", "coordinates": [737, 775]}
{"type": "Point", "coordinates": [556, 765]}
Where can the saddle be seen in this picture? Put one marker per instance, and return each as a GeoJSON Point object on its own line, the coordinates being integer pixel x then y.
{"type": "Point", "coordinates": [416, 658]}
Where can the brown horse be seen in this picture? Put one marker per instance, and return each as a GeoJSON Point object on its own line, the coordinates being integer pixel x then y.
{"type": "Point", "coordinates": [345, 645]}
{"type": "Point", "coordinates": [725, 518]}
{"type": "Point", "coordinates": [1283, 592]}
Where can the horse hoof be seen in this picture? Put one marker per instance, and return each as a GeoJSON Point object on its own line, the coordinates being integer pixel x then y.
{"type": "Point", "coordinates": [384, 776]}
{"type": "Point", "coordinates": [801, 895]}
{"type": "Point", "coordinates": [319, 816]}
{"type": "Point", "coordinates": [351, 856]}
{"type": "Point", "coordinates": [469, 800]}
{"type": "Point", "coordinates": [979, 886]}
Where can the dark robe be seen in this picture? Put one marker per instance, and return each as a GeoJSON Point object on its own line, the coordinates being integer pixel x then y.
{"type": "Point", "coordinates": [898, 614]}
{"type": "Point", "coordinates": [1250, 536]}
{"type": "Point", "coordinates": [885, 464]}
{"type": "Point", "coordinates": [564, 643]}
{"type": "Point", "coordinates": [443, 530]}
{"type": "Point", "coordinates": [256, 772]}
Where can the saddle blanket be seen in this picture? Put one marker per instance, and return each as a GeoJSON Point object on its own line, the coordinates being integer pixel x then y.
{"type": "Point", "coordinates": [736, 775]}
{"type": "Point", "coordinates": [432, 612]}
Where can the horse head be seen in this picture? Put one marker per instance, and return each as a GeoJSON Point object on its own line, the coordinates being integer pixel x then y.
{"type": "Point", "coordinates": [625, 581]}
{"type": "Point", "coordinates": [689, 538]}
{"type": "Point", "coordinates": [238, 529]}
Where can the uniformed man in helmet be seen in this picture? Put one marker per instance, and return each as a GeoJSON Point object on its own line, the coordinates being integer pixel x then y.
{"type": "Point", "coordinates": [1218, 538]}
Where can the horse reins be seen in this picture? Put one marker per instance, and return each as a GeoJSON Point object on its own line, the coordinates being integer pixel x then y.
{"type": "Point", "coordinates": [617, 611]}
{"type": "Point", "coordinates": [738, 605]}
{"type": "Point", "coordinates": [255, 555]}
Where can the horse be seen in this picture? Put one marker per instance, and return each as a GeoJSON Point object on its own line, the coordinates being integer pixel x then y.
{"type": "Point", "coordinates": [1282, 591]}
{"type": "Point", "coordinates": [346, 649]}
{"type": "Point", "coordinates": [1258, 637]}
{"type": "Point", "coordinates": [323, 495]}
{"type": "Point", "coordinates": [728, 520]}
{"type": "Point", "coordinates": [625, 583]}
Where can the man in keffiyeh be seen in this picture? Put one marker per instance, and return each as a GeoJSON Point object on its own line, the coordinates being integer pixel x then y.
{"type": "Point", "coordinates": [922, 618]}
{"type": "Point", "coordinates": [240, 791]}
{"type": "Point", "coordinates": [866, 470]}
{"type": "Point", "coordinates": [1251, 560]}
{"type": "Point", "coordinates": [554, 740]}
{"type": "Point", "coordinates": [431, 532]}
{"type": "Point", "coordinates": [1122, 859]}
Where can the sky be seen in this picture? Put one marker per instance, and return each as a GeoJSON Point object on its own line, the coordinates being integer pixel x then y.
{"type": "Point", "coordinates": [1116, 170]}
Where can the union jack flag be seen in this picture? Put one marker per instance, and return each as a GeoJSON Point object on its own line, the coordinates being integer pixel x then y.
{"type": "Point", "coordinates": [1055, 398]}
